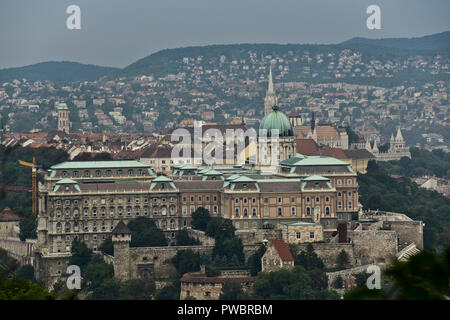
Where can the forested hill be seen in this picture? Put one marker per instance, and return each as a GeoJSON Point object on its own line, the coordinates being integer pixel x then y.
{"type": "Point", "coordinates": [63, 71]}
{"type": "Point", "coordinates": [430, 42]}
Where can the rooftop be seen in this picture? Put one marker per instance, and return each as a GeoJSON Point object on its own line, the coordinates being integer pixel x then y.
{"type": "Point", "coordinates": [99, 164]}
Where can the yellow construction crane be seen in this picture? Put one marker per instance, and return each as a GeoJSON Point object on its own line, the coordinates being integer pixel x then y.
{"type": "Point", "coordinates": [33, 183]}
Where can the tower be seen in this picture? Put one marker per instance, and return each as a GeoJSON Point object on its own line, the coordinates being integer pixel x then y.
{"type": "Point", "coordinates": [63, 118]}
{"type": "Point", "coordinates": [271, 99]}
{"type": "Point", "coordinates": [121, 238]}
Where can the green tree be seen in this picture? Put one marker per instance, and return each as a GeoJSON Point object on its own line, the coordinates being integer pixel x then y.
{"type": "Point", "coordinates": [26, 272]}
{"type": "Point", "coordinates": [220, 228]}
{"type": "Point", "coordinates": [81, 254]}
{"type": "Point", "coordinates": [183, 239]}
{"type": "Point", "coordinates": [186, 261]}
{"type": "Point", "coordinates": [227, 249]}
{"type": "Point", "coordinates": [107, 246]}
{"type": "Point", "coordinates": [21, 289]}
{"type": "Point", "coordinates": [144, 233]}
{"type": "Point", "coordinates": [27, 226]}
{"type": "Point", "coordinates": [137, 289]}
{"type": "Point", "coordinates": [254, 261]}
{"type": "Point", "coordinates": [200, 219]}
{"type": "Point", "coordinates": [342, 260]}
{"type": "Point", "coordinates": [95, 274]}
{"type": "Point", "coordinates": [233, 291]}
{"type": "Point", "coordinates": [309, 259]}
{"type": "Point", "coordinates": [338, 282]}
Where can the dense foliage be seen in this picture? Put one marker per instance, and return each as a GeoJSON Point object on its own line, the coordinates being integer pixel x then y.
{"type": "Point", "coordinates": [145, 233]}
{"type": "Point", "coordinates": [422, 162]}
{"type": "Point", "coordinates": [200, 219]}
{"type": "Point", "coordinates": [423, 277]}
{"type": "Point", "coordinates": [183, 239]}
{"type": "Point", "coordinates": [378, 190]}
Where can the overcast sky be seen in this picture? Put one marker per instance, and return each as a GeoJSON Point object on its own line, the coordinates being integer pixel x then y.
{"type": "Point", "coordinates": [118, 32]}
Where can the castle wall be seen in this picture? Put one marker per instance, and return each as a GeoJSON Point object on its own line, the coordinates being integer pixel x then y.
{"type": "Point", "coordinates": [373, 246]}
{"type": "Point", "coordinates": [328, 252]}
{"type": "Point", "coordinates": [407, 231]}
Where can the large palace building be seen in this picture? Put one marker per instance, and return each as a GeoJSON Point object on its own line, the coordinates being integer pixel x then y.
{"type": "Point", "coordinates": [86, 200]}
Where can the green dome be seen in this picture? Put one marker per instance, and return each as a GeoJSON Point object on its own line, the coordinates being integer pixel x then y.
{"type": "Point", "coordinates": [277, 120]}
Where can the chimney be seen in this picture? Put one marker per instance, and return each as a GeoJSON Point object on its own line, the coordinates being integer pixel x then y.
{"type": "Point", "coordinates": [342, 232]}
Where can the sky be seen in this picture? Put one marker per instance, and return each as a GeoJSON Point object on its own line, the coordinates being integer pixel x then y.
{"type": "Point", "coordinates": [119, 32]}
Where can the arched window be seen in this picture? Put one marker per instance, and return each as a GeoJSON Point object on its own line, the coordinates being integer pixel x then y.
{"type": "Point", "coordinates": [163, 211]}
{"type": "Point", "coordinates": [236, 212]}
{"type": "Point", "coordinates": [58, 227]}
{"type": "Point", "coordinates": [327, 210]}
{"type": "Point", "coordinates": [308, 211]}
{"type": "Point", "coordinates": [245, 212]}
{"type": "Point", "coordinates": [254, 212]}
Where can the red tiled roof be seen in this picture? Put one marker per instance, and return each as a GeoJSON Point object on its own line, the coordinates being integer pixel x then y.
{"type": "Point", "coordinates": [306, 146]}
{"type": "Point", "coordinates": [8, 215]}
{"type": "Point", "coordinates": [283, 250]}
{"type": "Point", "coordinates": [187, 277]}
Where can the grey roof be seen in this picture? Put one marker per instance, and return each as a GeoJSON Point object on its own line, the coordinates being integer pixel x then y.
{"type": "Point", "coordinates": [121, 228]}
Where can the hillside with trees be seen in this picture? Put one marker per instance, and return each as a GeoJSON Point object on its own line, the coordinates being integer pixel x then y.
{"type": "Point", "coordinates": [378, 190]}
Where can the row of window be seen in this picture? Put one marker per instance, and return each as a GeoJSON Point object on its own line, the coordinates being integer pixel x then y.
{"type": "Point", "coordinates": [200, 198]}
{"type": "Point", "coordinates": [309, 211]}
{"type": "Point", "coordinates": [120, 210]}
{"type": "Point", "coordinates": [107, 173]}
{"type": "Point", "coordinates": [128, 200]}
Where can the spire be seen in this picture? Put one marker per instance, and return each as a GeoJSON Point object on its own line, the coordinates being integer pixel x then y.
{"type": "Point", "coordinates": [368, 147]}
{"type": "Point", "coordinates": [270, 89]}
{"type": "Point", "coordinates": [392, 137]}
{"type": "Point", "coordinates": [399, 135]}
{"type": "Point", "coordinates": [271, 99]}
{"type": "Point", "coordinates": [375, 147]}
{"type": "Point", "coordinates": [313, 122]}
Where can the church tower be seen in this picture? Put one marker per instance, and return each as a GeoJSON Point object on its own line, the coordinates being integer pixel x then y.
{"type": "Point", "coordinates": [271, 99]}
{"type": "Point", "coordinates": [63, 118]}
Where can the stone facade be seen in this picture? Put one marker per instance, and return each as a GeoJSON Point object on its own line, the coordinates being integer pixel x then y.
{"type": "Point", "coordinates": [373, 246]}
{"type": "Point", "coordinates": [301, 232]}
{"type": "Point", "coordinates": [201, 287]}
{"type": "Point", "coordinates": [276, 257]}
{"type": "Point", "coordinates": [328, 252]}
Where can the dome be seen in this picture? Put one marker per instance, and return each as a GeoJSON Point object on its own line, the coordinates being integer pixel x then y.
{"type": "Point", "coordinates": [277, 120]}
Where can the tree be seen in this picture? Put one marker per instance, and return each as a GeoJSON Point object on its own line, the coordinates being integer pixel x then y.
{"type": "Point", "coordinates": [342, 260]}
{"type": "Point", "coordinates": [107, 246]}
{"type": "Point", "coordinates": [27, 226]}
{"type": "Point", "coordinates": [26, 272]}
{"type": "Point", "coordinates": [109, 289]}
{"type": "Point", "coordinates": [169, 292]}
{"type": "Point", "coordinates": [285, 284]}
{"type": "Point", "coordinates": [144, 233]}
{"type": "Point", "coordinates": [186, 261]}
{"type": "Point", "coordinates": [220, 228]}
{"type": "Point", "coordinates": [233, 291]}
{"type": "Point", "coordinates": [21, 289]}
{"type": "Point", "coordinates": [200, 219]}
{"type": "Point", "coordinates": [81, 254]}
{"type": "Point", "coordinates": [137, 289]}
{"type": "Point", "coordinates": [231, 251]}
{"type": "Point", "coordinates": [95, 274]}
{"type": "Point", "coordinates": [254, 261]}
{"type": "Point", "coordinates": [423, 277]}
{"type": "Point", "coordinates": [183, 239]}
{"type": "Point", "coordinates": [338, 282]}
{"type": "Point", "coordinates": [309, 259]}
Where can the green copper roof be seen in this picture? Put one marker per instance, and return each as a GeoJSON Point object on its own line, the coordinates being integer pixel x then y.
{"type": "Point", "coordinates": [212, 172]}
{"type": "Point", "coordinates": [277, 120]}
{"type": "Point", "coordinates": [243, 179]}
{"type": "Point", "coordinates": [314, 161]}
{"type": "Point", "coordinates": [162, 179]}
{"type": "Point", "coordinates": [66, 181]}
{"type": "Point", "coordinates": [100, 164]}
{"type": "Point", "coordinates": [315, 178]}
{"type": "Point", "coordinates": [62, 106]}
{"type": "Point", "coordinates": [299, 223]}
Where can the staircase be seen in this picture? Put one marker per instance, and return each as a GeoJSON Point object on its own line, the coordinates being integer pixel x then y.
{"type": "Point", "coordinates": [408, 252]}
